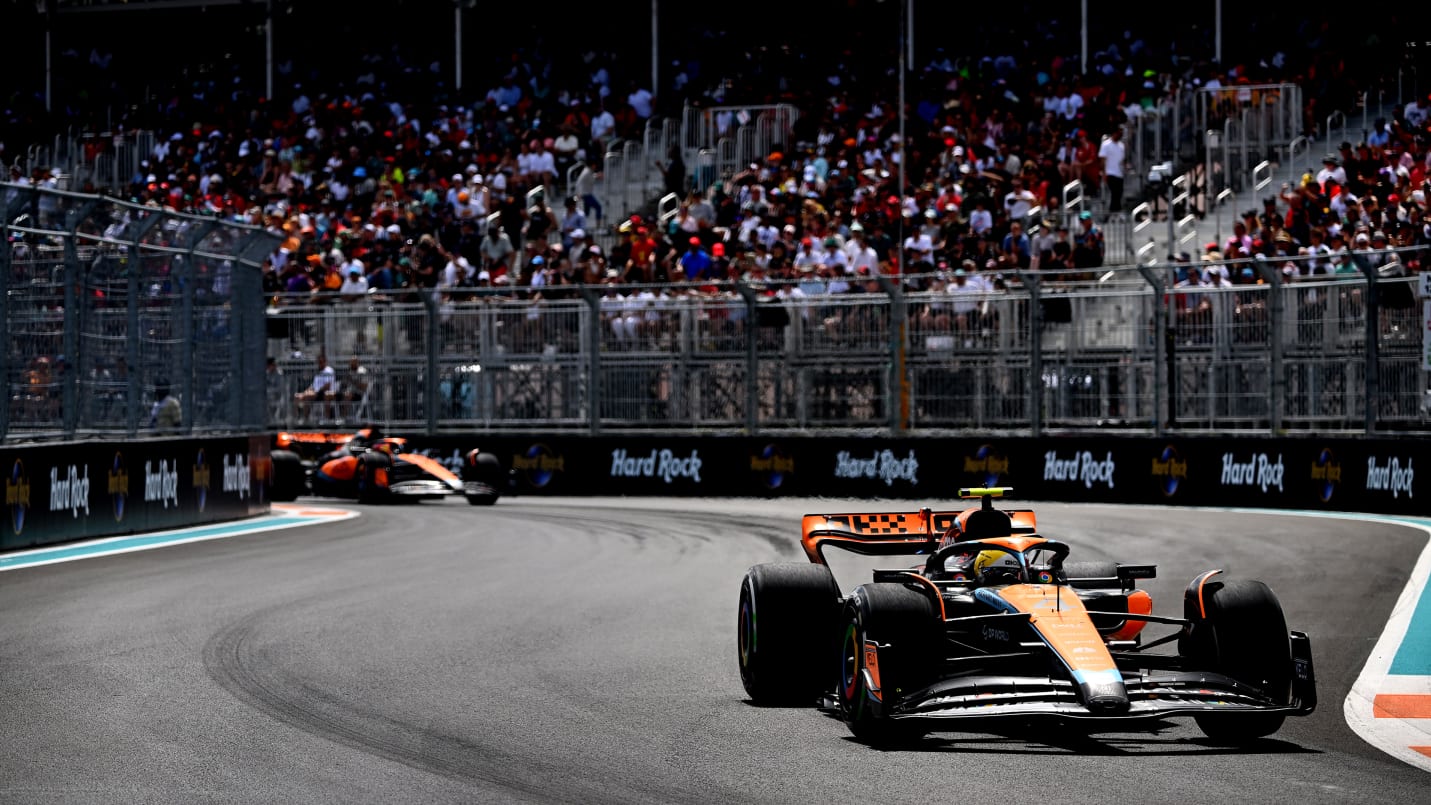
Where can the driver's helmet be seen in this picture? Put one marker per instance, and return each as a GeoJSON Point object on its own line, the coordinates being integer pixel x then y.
{"type": "Point", "coordinates": [387, 447]}
{"type": "Point", "coordinates": [960, 566]}
{"type": "Point", "coordinates": [997, 567]}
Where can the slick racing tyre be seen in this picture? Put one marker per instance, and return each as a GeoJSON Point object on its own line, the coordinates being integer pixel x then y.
{"type": "Point", "coordinates": [1091, 575]}
{"type": "Point", "coordinates": [1243, 636]}
{"type": "Point", "coordinates": [786, 633]}
{"type": "Point", "coordinates": [891, 642]}
{"type": "Point", "coordinates": [365, 476]}
{"type": "Point", "coordinates": [481, 478]}
{"type": "Point", "coordinates": [288, 476]}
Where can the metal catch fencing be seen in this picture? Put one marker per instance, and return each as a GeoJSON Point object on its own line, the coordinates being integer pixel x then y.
{"type": "Point", "coordinates": [104, 301]}
{"type": "Point", "coordinates": [1133, 350]}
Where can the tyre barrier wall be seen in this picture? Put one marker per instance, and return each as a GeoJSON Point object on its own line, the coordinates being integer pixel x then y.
{"type": "Point", "coordinates": [57, 492]}
{"type": "Point", "coordinates": [1345, 474]}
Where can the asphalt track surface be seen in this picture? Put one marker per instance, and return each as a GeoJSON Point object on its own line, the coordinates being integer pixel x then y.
{"type": "Point", "coordinates": [582, 650]}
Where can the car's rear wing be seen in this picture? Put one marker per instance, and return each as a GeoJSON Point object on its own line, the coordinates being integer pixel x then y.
{"type": "Point", "coordinates": [891, 533]}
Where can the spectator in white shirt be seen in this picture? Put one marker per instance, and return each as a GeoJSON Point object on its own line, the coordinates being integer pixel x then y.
{"type": "Point", "coordinates": [603, 123]}
{"type": "Point", "coordinates": [1114, 154]}
{"type": "Point", "coordinates": [1019, 201]}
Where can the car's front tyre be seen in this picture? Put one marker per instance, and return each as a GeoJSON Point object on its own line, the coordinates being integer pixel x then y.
{"type": "Point", "coordinates": [891, 640]}
{"type": "Point", "coordinates": [1243, 635]}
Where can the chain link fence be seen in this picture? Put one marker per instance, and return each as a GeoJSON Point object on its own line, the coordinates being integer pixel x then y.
{"type": "Point", "coordinates": [106, 302]}
{"type": "Point", "coordinates": [1281, 349]}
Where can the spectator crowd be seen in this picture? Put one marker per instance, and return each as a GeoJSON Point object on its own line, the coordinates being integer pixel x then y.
{"type": "Point", "coordinates": [377, 190]}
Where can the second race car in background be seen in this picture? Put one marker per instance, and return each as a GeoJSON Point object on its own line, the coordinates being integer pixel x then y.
{"type": "Point", "coordinates": [371, 468]}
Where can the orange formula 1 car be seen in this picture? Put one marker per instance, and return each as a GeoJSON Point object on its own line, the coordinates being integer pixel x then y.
{"type": "Point", "coordinates": [373, 468]}
{"type": "Point", "coordinates": [995, 624]}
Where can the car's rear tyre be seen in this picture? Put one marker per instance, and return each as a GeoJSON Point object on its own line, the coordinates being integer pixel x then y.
{"type": "Point", "coordinates": [1091, 575]}
{"type": "Point", "coordinates": [485, 469]}
{"type": "Point", "coordinates": [288, 476]}
{"type": "Point", "coordinates": [908, 637]}
{"type": "Point", "coordinates": [365, 476]}
{"type": "Point", "coordinates": [1243, 635]}
{"type": "Point", "coordinates": [785, 635]}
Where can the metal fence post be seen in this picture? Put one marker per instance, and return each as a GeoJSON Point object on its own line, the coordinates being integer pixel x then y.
{"type": "Point", "coordinates": [434, 334]}
{"type": "Point", "coordinates": [752, 360]}
{"type": "Point", "coordinates": [593, 336]}
{"type": "Point", "coordinates": [186, 339]}
{"type": "Point", "coordinates": [898, 381]}
{"type": "Point", "coordinates": [1161, 361]}
{"type": "Point", "coordinates": [131, 352]}
{"type": "Point", "coordinates": [4, 317]}
{"type": "Point", "coordinates": [1278, 390]}
{"type": "Point", "coordinates": [68, 376]}
{"type": "Point", "coordinates": [1373, 349]}
{"type": "Point", "coordinates": [1035, 403]}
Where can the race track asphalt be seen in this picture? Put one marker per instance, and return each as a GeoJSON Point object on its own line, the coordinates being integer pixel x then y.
{"type": "Point", "coordinates": [583, 650]}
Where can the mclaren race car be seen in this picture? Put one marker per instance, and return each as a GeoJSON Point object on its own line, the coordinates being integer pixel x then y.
{"type": "Point", "coordinates": [994, 624]}
{"type": "Point", "coordinates": [371, 467]}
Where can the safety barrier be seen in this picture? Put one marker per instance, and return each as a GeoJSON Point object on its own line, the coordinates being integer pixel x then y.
{"type": "Point", "coordinates": [105, 301]}
{"type": "Point", "coordinates": [1334, 474]}
{"type": "Point", "coordinates": [1124, 347]}
{"type": "Point", "coordinates": [63, 491]}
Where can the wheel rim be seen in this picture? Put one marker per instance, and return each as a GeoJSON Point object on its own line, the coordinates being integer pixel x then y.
{"type": "Point", "coordinates": [850, 664]}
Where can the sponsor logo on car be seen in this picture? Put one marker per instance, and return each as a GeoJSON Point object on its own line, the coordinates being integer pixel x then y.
{"type": "Point", "coordinates": [1326, 474]}
{"type": "Point", "coordinates": [771, 464]}
{"type": "Point", "coordinates": [883, 465]}
{"type": "Point", "coordinates": [1392, 477]}
{"type": "Point", "coordinates": [161, 483]}
{"type": "Point", "coordinates": [1081, 467]}
{"type": "Point", "coordinates": [1170, 470]}
{"type": "Point", "coordinates": [988, 463]}
{"type": "Point", "coordinates": [661, 464]}
{"type": "Point", "coordinates": [201, 479]}
{"type": "Point", "coordinates": [995, 633]}
{"type": "Point", "coordinates": [236, 476]}
{"type": "Point", "coordinates": [69, 490]}
{"type": "Point", "coordinates": [540, 463]}
{"type": "Point", "coordinates": [17, 496]}
{"type": "Point", "coordinates": [1258, 470]}
{"type": "Point", "coordinates": [118, 485]}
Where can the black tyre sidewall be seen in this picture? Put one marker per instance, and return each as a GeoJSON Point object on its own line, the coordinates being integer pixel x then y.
{"type": "Point", "coordinates": [785, 632]}
{"type": "Point", "coordinates": [288, 480]}
{"type": "Point", "coordinates": [1243, 636]}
